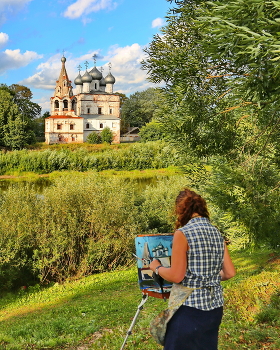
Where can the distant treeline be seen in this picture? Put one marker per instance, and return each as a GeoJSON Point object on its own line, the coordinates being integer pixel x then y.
{"type": "Point", "coordinates": [153, 155]}
{"type": "Point", "coordinates": [79, 225]}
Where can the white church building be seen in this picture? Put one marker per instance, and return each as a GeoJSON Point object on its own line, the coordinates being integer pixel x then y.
{"type": "Point", "coordinates": [93, 107]}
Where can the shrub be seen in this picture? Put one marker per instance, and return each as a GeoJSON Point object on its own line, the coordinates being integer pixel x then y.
{"type": "Point", "coordinates": [152, 131]}
{"type": "Point", "coordinates": [94, 138]}
{"type": "Point", "coordinates": [106, 135]}
{"type": "Point", "coordinates": [78, 226]}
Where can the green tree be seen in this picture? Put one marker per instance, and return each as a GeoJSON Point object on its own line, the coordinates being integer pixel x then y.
{"type": "Point", "coordinates": [151, 132]}
{"type": "Point", "coordinates": [17, 113]}
{"type": "Point", "coordinates": [140, 107]}
{"type": "Point", "coordinates": [13, 128]}
{"type": "Point", "coordinates": [219, 62]}
{"type": "Point", "coordinates": [106, 135]}
{"type": "Point", "coordinates": [94, 138]}
{"type": "Point", "coordinates": [38, 126]}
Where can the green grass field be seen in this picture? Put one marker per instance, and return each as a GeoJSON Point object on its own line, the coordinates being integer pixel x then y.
{"type": "Point", "coordinates": [96, 312]}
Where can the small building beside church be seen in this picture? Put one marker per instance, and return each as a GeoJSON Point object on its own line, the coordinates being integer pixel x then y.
{"type": "Point", "coordinates": [94, 107]}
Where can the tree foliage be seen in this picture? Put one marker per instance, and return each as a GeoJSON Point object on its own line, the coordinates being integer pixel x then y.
{"type": "Point", "coordinates": [94, 138]}
{"type": "Point", "coordinates": [220, 63]}
{"type": "Point", "coordinates": [17, 115]}
{"type": "Point", "coordinates": [151, 132]}
{"type": "Point", "coordinates": [106, 135]}
{"type": "Point", "coordinates": [140, 107]}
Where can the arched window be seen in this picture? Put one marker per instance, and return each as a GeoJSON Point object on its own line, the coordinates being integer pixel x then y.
{"type": "Point", "coordinates": [87, 125]}
{"type": "Point", "coordinates": [74, 104]}
{"type": "Point", "coordinates": [101, 125]}
{"type": "Point", "coordinates": [56, 104]}
{"type": "Point", "coordinates": [65, 104]}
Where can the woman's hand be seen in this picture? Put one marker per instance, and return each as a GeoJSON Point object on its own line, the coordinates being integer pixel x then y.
{"type": "Point", "coordinates": [154, 264]}
{"type": "Point", "coordinates": [176, 272]}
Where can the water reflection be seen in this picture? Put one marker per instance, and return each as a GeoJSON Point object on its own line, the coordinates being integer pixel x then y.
{"type": "Point", "coordinates": [38, 184]}
{"type": "Point", "coordinates": [41, 183]}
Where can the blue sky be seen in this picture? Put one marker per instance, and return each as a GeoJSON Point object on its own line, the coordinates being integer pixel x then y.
{"type": "Point", "coordinates": [35, 33]}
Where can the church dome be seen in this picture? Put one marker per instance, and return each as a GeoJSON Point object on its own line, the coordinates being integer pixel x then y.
{"type": "Point", "coordinates": [78, 80]}
{"type": "Point", "coordinates": [96, 74]}
{"type": "Point", "coordinates": [86, 78]}
{"type": "Point", "coordinates": [110, 79]}
{"type": "Point", "coordinates": [63, 59]}
{"type": "Point", "coordinates": [102, 82]}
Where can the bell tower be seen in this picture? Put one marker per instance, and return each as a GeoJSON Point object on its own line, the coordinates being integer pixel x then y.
{"type": "Point", "coordinates": [63, 86]}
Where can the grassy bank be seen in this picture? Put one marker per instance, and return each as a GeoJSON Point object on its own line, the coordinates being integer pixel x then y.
{"type": "Point", "coordinates": [96, 312]}
{"type": "Point", "coordinates": [152, 155]}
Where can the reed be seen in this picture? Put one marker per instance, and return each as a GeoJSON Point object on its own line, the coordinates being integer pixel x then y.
{"type": "Point", "coordinates": [152, 155]}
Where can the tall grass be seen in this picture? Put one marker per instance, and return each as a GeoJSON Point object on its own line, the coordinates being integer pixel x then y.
{"type": "Point", "coordinates": [153, 155]}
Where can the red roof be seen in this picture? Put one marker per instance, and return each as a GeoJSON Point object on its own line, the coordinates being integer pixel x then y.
{"type": "Point", "coordinates": [63, 116]}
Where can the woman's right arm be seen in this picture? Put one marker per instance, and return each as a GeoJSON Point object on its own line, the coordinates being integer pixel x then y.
{"type": "Point", "coordinates": [228, 270]}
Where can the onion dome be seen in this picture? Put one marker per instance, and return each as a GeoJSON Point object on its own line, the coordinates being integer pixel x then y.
{"type": "Point", "coordinates": [78, 80]}
{"type": "Point", "coordinates": [102, 82]}
{"type": "Point", "coordinates": [86, 78]}
{"type": "Point", "coordinates": [110, 79]}
{"type": "Point", "coordinates": [96, 74]}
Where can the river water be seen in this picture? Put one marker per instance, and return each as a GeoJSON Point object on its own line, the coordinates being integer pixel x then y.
{"type": "Point", "coordinates": [40, 183]}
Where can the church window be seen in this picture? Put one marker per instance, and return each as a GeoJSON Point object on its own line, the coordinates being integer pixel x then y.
{"type": "Point", "coordinates": [87, 125]}
{"type": "Point", "coordinates": [56, 104]}
{"type": "Point", "coordinates": [111, 111]}
{"type": "Point", "coordinates": [74, 104]}
{"type": "Point", "coordinates": [95, 86]}
{"type": "Point", "coordinates": [59, 126]}
{"type": "Point", "coordinates": [71, 126]}
{"type": "Point", "coordinates": [99, 110]}
{"type": "Point", "coordinates": [88, 110]}
{"type": "Point", "coordinates": [65, 104]}
{"type": "Point", "coordinates": [101, 125]}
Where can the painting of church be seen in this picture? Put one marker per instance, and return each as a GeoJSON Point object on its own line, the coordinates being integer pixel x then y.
{"type": "Point", "coordinates": [148, 248]}
{"type": "Point", "coordinates": [93, 107]}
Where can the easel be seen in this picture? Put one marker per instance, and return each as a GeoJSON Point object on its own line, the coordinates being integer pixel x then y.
{"type": "Point", "coordinates": [145, 294]}
{"type": "Point", "coordinates": [148, 248]}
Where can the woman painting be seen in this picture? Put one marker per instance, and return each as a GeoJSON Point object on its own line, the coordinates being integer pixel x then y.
{"type": "Point", "coordinates": [200, 260]}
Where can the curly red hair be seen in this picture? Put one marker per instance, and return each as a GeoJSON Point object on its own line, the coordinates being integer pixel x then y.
{"type": "Point", "coordinates": [187, 203]}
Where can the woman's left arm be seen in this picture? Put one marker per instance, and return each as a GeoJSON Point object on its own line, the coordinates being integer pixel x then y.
{"type": "Point", "coordinates": [176, 272]}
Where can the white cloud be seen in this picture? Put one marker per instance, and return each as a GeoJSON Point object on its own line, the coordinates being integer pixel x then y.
{"type": "Point", "coordinates": [158, 22]}
{"type": "Point", "coordinates": [14, 59]}
{"type": "Point", "coordinates": [85, 7]}
{"type": "Point", "coordinates": [126, 68]}
{"type": "Point", "coordinates": [48, 72]}
{"type": "Point", "coordinates": [11, 7]}
{"type": "Point", "coordinates": [4, 38]}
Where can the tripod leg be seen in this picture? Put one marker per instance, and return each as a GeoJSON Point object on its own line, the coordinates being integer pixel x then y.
{"type": "Point", "coordinates": [140, 307]}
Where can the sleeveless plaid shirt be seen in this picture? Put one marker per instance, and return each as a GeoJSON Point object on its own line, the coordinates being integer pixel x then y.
{"type": "Point", "coordinates": [205, 259]}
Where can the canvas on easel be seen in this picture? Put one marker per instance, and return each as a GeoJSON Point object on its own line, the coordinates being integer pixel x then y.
{"type": "Point", "coordinates": [148, 248]}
